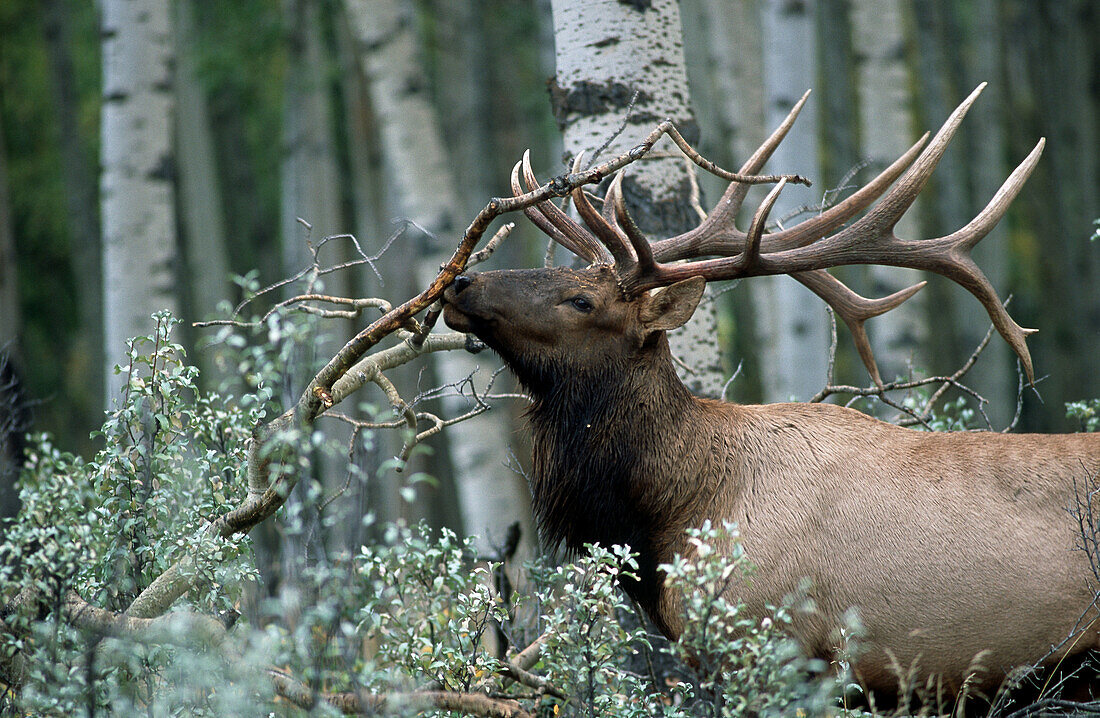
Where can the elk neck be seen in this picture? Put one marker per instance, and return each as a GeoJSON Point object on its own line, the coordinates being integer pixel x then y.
{"type": "Point", "coordinates": [611, 444]}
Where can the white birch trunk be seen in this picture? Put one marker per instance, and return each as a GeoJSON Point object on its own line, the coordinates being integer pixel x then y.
{"type": "Point", "coordinates": [995, 379]}
{"type": "Point", "coordinates": [792, 326]}
{"type": "Point", "coordinates": [200, 200]}
{"type": "Point", "coordinates": [605, 53]}
{"type": "Point", "coordinates": [423, 184]}
{"type": "Point", "coordinates": [138, 203]}
{"type": "Point", "coordinates": [310, 189]}
{"type": "Point", "coordinates": [886, 132]}
{"type": "Point", "coordinates": [730, 32]}
{"type": "Point", "coordinates": [310, 178]}
{"type": "Point", "coordinates": [465, 93]}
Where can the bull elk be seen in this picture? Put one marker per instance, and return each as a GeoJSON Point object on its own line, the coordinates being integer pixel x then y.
{"type": "Point", "coordinates": [950, 545]}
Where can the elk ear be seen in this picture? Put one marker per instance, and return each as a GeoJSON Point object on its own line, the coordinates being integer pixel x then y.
{"type": "Point", "coordinates": [672, 306]}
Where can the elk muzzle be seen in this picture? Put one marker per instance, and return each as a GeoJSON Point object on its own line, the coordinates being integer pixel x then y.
{"type": "Point", "coordinates": [457, 312]}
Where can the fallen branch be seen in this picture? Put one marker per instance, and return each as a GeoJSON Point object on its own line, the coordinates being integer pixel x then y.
{"type": "Point", "coordinates": [477, 704]}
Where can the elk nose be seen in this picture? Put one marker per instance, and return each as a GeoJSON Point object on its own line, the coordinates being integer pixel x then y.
{"type": "Point", "coordinates": [461, 282]}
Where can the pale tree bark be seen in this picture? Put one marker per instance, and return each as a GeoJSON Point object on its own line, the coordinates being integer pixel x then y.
{"type": "Point", "coordinates": [202, 219]}
{"type": "Point", "coordinates": [997, 379]}
{"type": "Point", "coordinates": [792, 328]}
{"type": "Point", "coordinates": [463, 91]}
{"type": "Point", "coordinates": [138, 202]}
{"type": "Point", "coordinates": [886, 132]}
{"type": "Point", "coordinates": [380, 496]}
{"type": "Point", "coordinates": [724, 63]}
{"type": "Point", "coordinates": [729, 81]}
{"type": "Point", "coordinates": [836, 95]}
{"type": "Point", "coordinates": [310, 187]}
{"type": "Point", "coordinates": [606, 53]}
{"type": "Point", "coordinates": [937, 36]}
{"type": "Point", "coordinates": [310, 191]}
{"type": "Point", "coordinates": [423, 185]}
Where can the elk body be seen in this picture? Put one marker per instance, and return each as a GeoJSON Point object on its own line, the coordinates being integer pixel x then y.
{"type": "Point", "coordinates": [952, 546]}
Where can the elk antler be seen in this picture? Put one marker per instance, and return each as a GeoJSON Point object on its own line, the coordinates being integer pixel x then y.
{"type": "Point", "coordinates": [807, 249]}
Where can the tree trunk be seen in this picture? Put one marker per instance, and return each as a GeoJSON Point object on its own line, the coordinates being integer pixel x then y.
{"type": "Point", "coordinates": [1067, 193]}
{"type": "Point", "coordinates": [462, 89]}
{"type": "Point", "coordinates": [138, 202]}
{"type": "Point", "coordinates": [310, 180]}
{"type": "Point", "coordinates": [791, 322]}
{"type": "Point", "coordinates": [940, 89]}
{"type": "Point", "coordinates": [722, 48]}
{"type": "Point", "coordinates": [886, 133]}
{"type": "Point", "coordinates": [837, 96]}
{"type": "Point", "coordinates": [722, 45]}
{"type": "Point", "coordinates": [607, 53]}
{"type": "Point", "coordinates": [996, 380]}
{"type": "Point", "coordinates": [422, 186]}
{"type": "Point", "coordinates": [202, 220]}
{"type": "Point", "coordinates": [310, 190]}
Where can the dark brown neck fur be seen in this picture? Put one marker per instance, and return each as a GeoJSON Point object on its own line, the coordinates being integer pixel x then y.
{"type": "Point", "coordinates": [596, 478]}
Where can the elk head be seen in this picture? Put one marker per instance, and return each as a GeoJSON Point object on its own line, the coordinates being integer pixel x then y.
{"type": "Point", "coordinates": [553, 323]}
{"type": "Point", "coordinates": [534, 315]}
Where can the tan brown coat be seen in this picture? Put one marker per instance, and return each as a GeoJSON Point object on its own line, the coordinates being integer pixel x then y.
{"type": "Point", "coordinates": [949, 545]}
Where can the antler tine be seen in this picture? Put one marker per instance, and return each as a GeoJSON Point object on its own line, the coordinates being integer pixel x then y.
{"type": "Point", "coordinates": [965, 272]}
{"type": "Point", "coordinates": [601, 227]}
{"type": "Point", "coordinates": [813, 229]}
{"type": "Point", "coordinates": [565, 231]}
{"type": "Point", "coordinates": [894, 204]}
{"type": "Point", "coordinates": [871, 240]}
{"type": "Point", "coordinates": [751, 252]}
{"type": "Point", "coordinates": [728, 239]}
{"type": "Point", "coordinates": [806, 250]}
{"type": "Point", "coordinates": [719, 224]}
{"type": "Point", "coordinates": [854, 310]}
{"type": "Point", "coordinates": [644, 265]}
{"type": "Point", "coordinates": [873, 237]}
{"type": "Point", "coordinates": [542, 222]}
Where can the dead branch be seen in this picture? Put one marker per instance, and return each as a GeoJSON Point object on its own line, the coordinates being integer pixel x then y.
{"type": "Point", "coordinates": [477, 704]}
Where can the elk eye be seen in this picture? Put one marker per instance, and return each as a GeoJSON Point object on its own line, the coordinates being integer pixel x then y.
{"type": "Point", "coordinates": [581, 304]}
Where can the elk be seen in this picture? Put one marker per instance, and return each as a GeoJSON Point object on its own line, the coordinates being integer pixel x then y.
{"type": "Point", "coordinates": [950, 545]}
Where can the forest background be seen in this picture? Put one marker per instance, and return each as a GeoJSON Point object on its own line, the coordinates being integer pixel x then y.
{"type": "Point", "coordinates": [279, 111]}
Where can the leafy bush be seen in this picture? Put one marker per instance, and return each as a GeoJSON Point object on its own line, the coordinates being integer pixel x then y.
{"type": "Point", "coordinates": [742, 665]}
{"type": "Point", "coordinates": [171, 461]}
{"type": "Point", "coordinates": [1086, 412]}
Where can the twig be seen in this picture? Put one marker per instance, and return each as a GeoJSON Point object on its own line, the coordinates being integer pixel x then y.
{"type": "Point", "coordinates": [482, 254]}
{"type": "Point", "coordinates": [880, 393]}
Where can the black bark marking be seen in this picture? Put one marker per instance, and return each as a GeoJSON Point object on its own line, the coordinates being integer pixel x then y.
{"type": "Point", "coordinates": [590, 98]}
{"type": "Point", "coordinates": [164, 169]}
{"type": "Point", "coordinates": [661, 217]}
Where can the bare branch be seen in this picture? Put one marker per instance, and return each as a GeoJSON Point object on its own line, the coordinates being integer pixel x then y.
{"type": "Point", "coordinates": [477, 704]}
